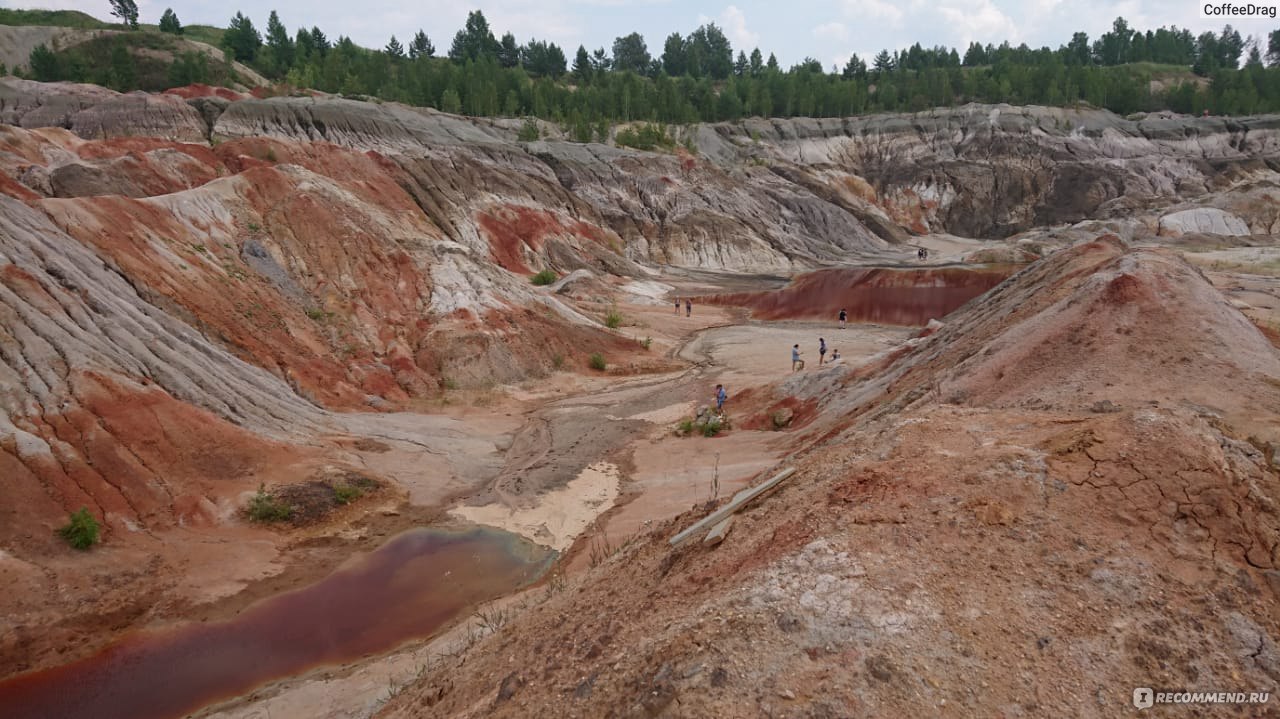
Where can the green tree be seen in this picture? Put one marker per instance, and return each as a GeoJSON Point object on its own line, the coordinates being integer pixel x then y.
{"type": "Point", "coordinates": [675, 57]}
{"type": "Point", "coordinates": [394, 49]}
{"type": "Point", "coordinates": [44, 64]}
{"type": "Point", "coordinates": [475, 40]}
{"type": "Point", "coordinates": [757, 63]}
{"type": "Point", "coordinates": [884, 62]}
{"type": "Point", "coordinates": [241, 39]}
{"type": "Point", "coordinates": [280, 45]}
{"type": "Point", "coordinates": [582, 69]}
{"type": "Point", "coordinates": [508, 51]}
{"type": "Point", "coordinates": [127, 11]}
{"type": "Point", "coordinates": [169, 22]}
{"type": "Point", "coordinates": [450, 102]}
{"type": "Point", "coordinates": [631, 54]}
{"type": "Point", "coordinates": [1273, 48]}
{"type": "Point", "coordinates": [421, 46]}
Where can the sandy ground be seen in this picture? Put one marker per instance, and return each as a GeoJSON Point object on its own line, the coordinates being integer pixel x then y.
{"type": "Point", "coordinates": [560, 515]}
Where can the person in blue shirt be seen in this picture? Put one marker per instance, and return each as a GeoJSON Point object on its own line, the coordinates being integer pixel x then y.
{"type": "Point", "coordinates": [796, 362]}
{"type": "Point", "coordinates": [721, 396]}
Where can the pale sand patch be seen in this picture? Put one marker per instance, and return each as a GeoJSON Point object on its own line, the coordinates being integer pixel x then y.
{"type": "Point", "coordinates": [665, 415]}
{"type": "Point", "coordinates": [560, 515]}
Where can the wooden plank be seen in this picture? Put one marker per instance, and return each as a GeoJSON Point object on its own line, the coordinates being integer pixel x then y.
{"type": "Point", "coordinates": [739, 501]}
{"type": "Point", "coordinates": [718, 532]}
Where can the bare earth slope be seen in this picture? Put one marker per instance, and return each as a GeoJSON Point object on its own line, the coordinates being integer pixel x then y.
{"type": "Point", "coordinates": [955, 541]}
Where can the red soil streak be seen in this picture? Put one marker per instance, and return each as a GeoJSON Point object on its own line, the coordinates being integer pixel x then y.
{"type": "Point", "coordinates": [902, 297]}
{"type": "Point", "coordinates": [15, 189]}
{"type": "Point", "coordinates": [138, 146]}
{"type": "Point", "coordinates": [198, 90]}
{"type": "Point", "coordinates": [1268, 331]}
{"type": "Point", "coordinates": [513, 227]}
{"type": "Point", "coordinates": [803, 412]}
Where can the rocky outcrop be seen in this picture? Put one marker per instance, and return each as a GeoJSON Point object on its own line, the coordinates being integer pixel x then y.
{"type": "Point", "coordinates": [1205, 220]}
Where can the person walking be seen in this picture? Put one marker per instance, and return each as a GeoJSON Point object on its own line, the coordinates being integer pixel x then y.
{"type": "Point", "coordinates": [822, 351]}
{"type": "Point", "coordinates": [677, 307]}
{"type": "Point", "coordinates": [688, 308]}
{"type": "Point", "coordinates": [796, 362]}
{"type": "Point", "coordinates": [844, 317]}
{"type": "Point", "coordinates": [721, 396]}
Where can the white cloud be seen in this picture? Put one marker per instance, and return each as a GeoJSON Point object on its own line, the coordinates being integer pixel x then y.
{"type": "Point", "coordinates": [978, 20]}
{"type": "Point", "coordinates": [735, 27]}
{"type": "Point", "coordinates": [832, 30]}
{"type": "Point", "coordinates": [873, 10]}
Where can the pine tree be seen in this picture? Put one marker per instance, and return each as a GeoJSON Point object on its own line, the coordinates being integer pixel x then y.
{"type": "Point", "coordinates": [394, 49]}
{"type": "Point", "coordinates": [280, 45]}
{"type": "Point", "coordinates": [884, 62]}
{"type": "Point", "coordinates": [127, 11]}
{"type": "Point", "coordinates": [508, 51]}
{"type": "Point", "coordinates": [582, 66]}
{"type": "Point", "coordinates": [757, 63]}
{"type": "Point", "coordinates": [600, 61]}
{"type": "Point", "coordinates": [421, 46]}
{"type": "Point", "coordinates": [1273, 49]}
{"type": "Point", "coordinates": [474, 40]}
{"type": "Point", "coordinates": [169, 22]}
{"type": "Point", "coordinates": [740, 65]}
{"type": "Point", "coordinates": [320, 42]}
{"type": "Point", "coordinates": [675, 58]}
{"type": "Point", "coordinates": [242, 39]}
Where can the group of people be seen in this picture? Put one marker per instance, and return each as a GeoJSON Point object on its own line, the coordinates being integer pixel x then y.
{"type": "Point", "coordinates": [688, 307]}
{"type": "Point", "coordinates": [797, 363]}
{"type": "Point", "coordinates": [922, 253]}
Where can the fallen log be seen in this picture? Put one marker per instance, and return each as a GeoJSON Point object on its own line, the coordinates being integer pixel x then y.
{"type": "Point", "coordinates": [740, 500]}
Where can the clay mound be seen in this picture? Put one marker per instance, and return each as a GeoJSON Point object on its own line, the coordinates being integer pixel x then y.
{"type": "Point", "coordinates": [891, 296]}
{"type": "Point", "coordinates": [1099, 322]}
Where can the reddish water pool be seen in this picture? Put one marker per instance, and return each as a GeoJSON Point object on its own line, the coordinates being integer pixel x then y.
{"type": "Point", "coordinates": [406, 589]}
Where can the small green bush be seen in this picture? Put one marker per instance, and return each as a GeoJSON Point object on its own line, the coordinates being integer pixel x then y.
{"type": "Point", "coordinates": [557, 360]}
{"type": "Point", "coordinates": [597, 361]}
{"type": "Point", "coordinates": [265, 508]}
{"type": "Point", "coordinates": [529, 131]}
{"type": "Point", "coordinates": [710, 429]}
{"type": "Point", "coordinates": [685, 427]}
{"type": "Point", "coordinates": [81, 531]}
{"type": "Point", "coordinates": [346, 494]}
{"type": "Point", "coordinates": [613, 319]}
{"type": "Point", "coordinates": [450, 383]}
{"type": "Point", "coordinates": [647, 342]}
{"type": "Point", "coordinates": [544, 277]}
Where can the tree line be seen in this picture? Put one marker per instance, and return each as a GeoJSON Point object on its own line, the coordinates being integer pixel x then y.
{"type": "Point", "coordinates": [698, 78]}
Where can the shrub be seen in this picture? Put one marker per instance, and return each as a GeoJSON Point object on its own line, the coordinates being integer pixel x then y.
{"type": "Point", "coordinates": [81, 531]}
{"type": "Point", "coordinates": [647, 137]}
{"type": "Point", "coordinates": [613, 319]}
{"type": "Point", "coordinates": [346, 494]}
{"type": "Point", "coordinates": [544, 277]}
{"type": "Point", "coordinates": [529, 131]}
{"type": "Point", "coordinates": [597, 361]}
{"type": "Point", "coordinates": [685, 428]}
{"type": "Point", "coordinates": [263, 507]}
{"type": "Point", "coordinates": [557, 360]}
{"type": "Point", "coordinates": [710, 429]}
{"type": "Point", "coordinates": [647, 342]}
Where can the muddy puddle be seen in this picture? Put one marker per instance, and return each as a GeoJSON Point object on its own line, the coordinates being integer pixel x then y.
{"type": "Point", "coordinates": [406, 589]}
{"type": "Point", "coordinates": [910, 296]}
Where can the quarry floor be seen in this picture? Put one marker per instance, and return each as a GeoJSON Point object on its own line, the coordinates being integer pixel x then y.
{"type": "Point", "coordinates": [637, 470]}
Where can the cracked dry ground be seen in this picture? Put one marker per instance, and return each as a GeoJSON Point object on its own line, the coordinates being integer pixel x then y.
{"type": "Point", "coordinates": [1066, 493]}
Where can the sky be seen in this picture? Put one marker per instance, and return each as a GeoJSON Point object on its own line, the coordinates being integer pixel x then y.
{"type": "Point", "coordinates": [829, 30]}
